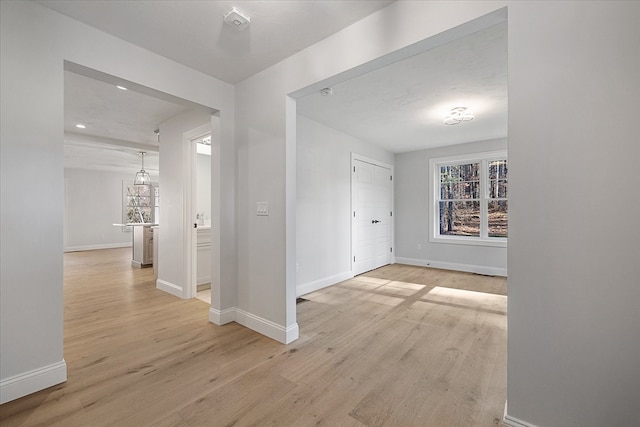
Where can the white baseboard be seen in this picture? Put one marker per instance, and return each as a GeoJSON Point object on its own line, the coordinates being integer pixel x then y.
{"type": "Point", "coordinates": [222, 317]}
{"type": "Point", "coordinates": [258, 324]}
{"type": "Point", "coordinates": [291, 333]}
{"type": "Point", "coordinates": [514, 422]}
{"type": "Point", "coordinates": [95, 247]}
{"type": "Point", "coordinates": [470, 268]}
{"type": "Point", "coordinates": [322, 283]}
{"type": "Point", "coordinates": [169, 288]}
{"type": "Point", "coordinates": [510, 421]}
{"type": "Point", "coordinates": [30, 382]}
{"type": "Point", "coordinates": [267, 327]}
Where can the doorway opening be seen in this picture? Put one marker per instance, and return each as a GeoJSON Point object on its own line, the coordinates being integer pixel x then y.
{"type": "Point", "coordinates": [202, 224]}
{"type": "Point", "coordinates": [383, 109]}
{"type": "Point", "coordinates": [120, 120]}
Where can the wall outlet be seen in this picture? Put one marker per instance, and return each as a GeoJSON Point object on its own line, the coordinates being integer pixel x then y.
{"type": "Point", "coordinates": [419, 246]}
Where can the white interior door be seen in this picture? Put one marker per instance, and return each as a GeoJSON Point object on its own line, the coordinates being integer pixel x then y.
{"type": "Point", "coordinates": [372, 215]}
{"type": "Point", "coordinates": [382, 216]}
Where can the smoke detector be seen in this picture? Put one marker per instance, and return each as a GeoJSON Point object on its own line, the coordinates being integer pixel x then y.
{"type": "Point", "coordinates": [237, 19]}
{"type": "Point", "coordinates": [326, 91]}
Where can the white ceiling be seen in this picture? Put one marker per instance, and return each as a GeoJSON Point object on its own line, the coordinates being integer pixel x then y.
{"type": "Point", "coordinates": [401, 107]}
{"type": "Point", "coordinates": [111, 112]}
{"type": "Point", "coordinates": [119, 124]}
{"type": "Point", "coordinates": [193, 32]}
{"type": "Point", "coordinates": [398, 107]}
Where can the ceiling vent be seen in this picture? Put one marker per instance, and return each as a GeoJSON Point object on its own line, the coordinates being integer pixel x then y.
{"type": "Point", "coordinates": [237, 19]}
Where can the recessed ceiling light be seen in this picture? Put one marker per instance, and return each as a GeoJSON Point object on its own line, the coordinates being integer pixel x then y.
{"type": "Point", "coordinates": [81, 126]}
{"type": "Point", "coordinates": [121, 87]}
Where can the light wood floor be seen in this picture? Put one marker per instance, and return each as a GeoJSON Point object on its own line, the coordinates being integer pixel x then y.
{"type": "Point", "coordinates": [400, 346]}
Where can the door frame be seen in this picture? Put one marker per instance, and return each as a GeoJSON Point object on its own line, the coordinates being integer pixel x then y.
{"type": "Point", "coordinates": [189, 209]}
{"type": "Point", "coordinates": [358, 157]}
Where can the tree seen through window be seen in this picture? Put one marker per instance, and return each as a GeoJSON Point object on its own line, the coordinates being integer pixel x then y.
{"type": "Point", "coordinates": [472, 199]}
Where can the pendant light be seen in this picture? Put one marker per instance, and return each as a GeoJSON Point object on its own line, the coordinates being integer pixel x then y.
{"type": "Point", "coordinates": [142, 177]}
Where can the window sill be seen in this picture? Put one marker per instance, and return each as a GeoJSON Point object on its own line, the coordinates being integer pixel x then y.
{"type": "Point", "coordinates": [469, 241]}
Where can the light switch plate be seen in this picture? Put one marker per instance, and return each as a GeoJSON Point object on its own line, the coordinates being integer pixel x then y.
{"type": "Point", "coordinates": [262, 208]}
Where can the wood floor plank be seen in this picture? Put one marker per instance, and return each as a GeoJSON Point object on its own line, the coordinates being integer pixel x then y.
{"type": "Point", "coordinates": [399, 346]}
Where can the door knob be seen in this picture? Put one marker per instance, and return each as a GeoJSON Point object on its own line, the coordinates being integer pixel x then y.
{"type": "Point", "coordinates": [374, 221]}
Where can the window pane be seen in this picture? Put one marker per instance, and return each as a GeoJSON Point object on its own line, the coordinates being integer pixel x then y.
{"type": "Point", "coordinates": [498, 189]}
{"type": "Point", "coordinates": [457, 173]}
{"type": "Point", "coordinates": [460, 181]}
{"type": "Point", "coordinates": [460, 190]}
{"type": "Point", "coordinates": [460, 219]}
{"type": "Point", "coordinates": [498, 218]}
{"type": "Point", "coordinates": [498, 169]}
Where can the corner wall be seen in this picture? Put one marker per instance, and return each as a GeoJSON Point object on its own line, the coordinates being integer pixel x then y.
{"type": "Point", "coordinates": [323, 228]}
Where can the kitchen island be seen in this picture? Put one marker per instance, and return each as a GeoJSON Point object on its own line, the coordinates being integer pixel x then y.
{"type": "Point", "coordinates": [142, 252]}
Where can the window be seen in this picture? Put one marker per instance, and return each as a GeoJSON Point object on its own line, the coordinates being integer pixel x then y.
{"type": "Point", "coordinates": [470, 199]}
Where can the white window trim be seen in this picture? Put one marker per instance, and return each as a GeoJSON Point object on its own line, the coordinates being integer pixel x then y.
{"type": "Point", "coordinates": [434, 188]}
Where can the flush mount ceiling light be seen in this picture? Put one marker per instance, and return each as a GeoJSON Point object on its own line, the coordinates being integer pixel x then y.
{"type": "Point", "coordinates": [142, 177]}
{"type": "Point", "coordinates": [237, 19]}
{"type": "Point", "coordinates": [121, 87]}
{"type": "Point", "coordinates": [81, 126]}
{"type": "Point", "coordinates": [458, 115]}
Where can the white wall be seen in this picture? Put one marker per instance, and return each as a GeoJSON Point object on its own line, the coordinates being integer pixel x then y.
{"type": "Point", "coordinates": [323, 230]}
{"type": "Point", "coordinates": [413, 211]}
{"type": "Point", "coordinates": [574, 270]}
{"type": "Point", "coordinates": [93, 203]}
{"type": "Point", "coordinates": [34, 43]}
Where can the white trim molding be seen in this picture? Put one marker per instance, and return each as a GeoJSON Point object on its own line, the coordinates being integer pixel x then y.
{"type": "Point", "coordinates": [222, 317]}
{"type": "Point", "coordinates": [307, 288]}
{"type": "Point", "coordinates": [262, 326]}
{"type": "Point", "coordinates": [514, 422]}
{"type": "Point", "coordinates": [267, 327]}
{"type": "Point", "coordinates": [170, 288]}
{"type": "Point", "coordinates": [469, 268]}
{"type": "Point", "coordinates": [30, 382]}
{"type": "Point", "coordinates": [95, 247]}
